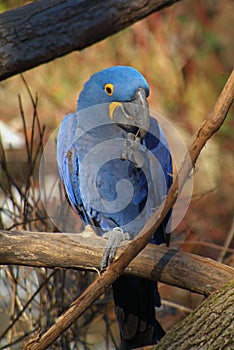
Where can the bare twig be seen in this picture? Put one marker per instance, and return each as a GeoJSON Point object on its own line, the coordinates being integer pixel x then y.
{"type": "Point", "coordinates": [176, 306]}
{"type": "Point", "coordinates": [26, 305]}
{"type": "Point", "coordinates": [227, 243]}
{"type": "Point", "coordinates": [210, 245]}
{"type": "Point", "coordinates": [211, 124]}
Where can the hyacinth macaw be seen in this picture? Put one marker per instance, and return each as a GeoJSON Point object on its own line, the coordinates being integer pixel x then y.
{"type": "Point", "coordinates": [116, 168]}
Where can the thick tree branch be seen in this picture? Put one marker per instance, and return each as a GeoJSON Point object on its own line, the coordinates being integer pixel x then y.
{"type": "Point", "coordinates": [210, 326]}
{"type": "Point", "coordinates": [46, 29]}
{"type": "Point", "coordinates": [212, 123]}
{"type": "Point", "coordinates": [84, 251]}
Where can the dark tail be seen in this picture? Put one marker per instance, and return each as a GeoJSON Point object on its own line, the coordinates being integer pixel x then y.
{"type": "Point", "coordinates": [135, 300]}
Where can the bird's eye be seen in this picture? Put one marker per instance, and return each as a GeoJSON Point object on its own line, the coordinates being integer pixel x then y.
{"type": "Point", "coordinates": [109, 89]}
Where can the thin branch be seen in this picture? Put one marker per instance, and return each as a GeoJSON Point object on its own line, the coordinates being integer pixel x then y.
{"type": "Point", "coordinates": [227, 243]}
{"type": "Point", "coordinates": [27, 142]}
{"type": "Point", "coordinates": [179, 307]}
{"type": "Point", "coordinates": [210, 245]}
{"type": "Point", "coordinates": [211, 124]}
{"type": "Point", "coordinates": [26, 306]}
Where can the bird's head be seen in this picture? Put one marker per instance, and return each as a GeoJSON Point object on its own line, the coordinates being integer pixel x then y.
{"type": "Point", "coordinates": [125, 91]}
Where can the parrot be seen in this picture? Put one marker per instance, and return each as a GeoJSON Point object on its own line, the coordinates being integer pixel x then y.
{"type": "Point", "coordinates": [116, 167]}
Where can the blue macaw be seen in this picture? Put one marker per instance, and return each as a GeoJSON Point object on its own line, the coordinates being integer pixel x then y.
{"type": "Point", "coordinates": [116, 168]}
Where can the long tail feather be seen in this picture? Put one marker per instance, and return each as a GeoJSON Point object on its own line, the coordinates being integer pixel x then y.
{"type": "Point", "coordinates": [135, 300]}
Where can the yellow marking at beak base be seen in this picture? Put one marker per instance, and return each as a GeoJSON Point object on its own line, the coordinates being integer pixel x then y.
{"type": "Point", "coordinates": [112, 107]}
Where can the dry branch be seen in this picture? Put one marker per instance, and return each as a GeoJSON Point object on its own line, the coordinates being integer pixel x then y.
{"type": "Point", "coordinates": [44, 30]}
{"type": "Point", "coordinates": [84, 251]}
{"type": "Point", "coordinates": [210, 326]}
{"type": "Point", "coordinates": [212, 123]}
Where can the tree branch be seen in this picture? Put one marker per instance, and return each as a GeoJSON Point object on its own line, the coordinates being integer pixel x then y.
{"type": "Point", "coordinates": [210, 326]}
{"type": "Point", "coordinates": [44, 30]}
{"type": "Point", "coordinates": [212, 123]}
{"type": "Point", "coordinates": [85, 250]}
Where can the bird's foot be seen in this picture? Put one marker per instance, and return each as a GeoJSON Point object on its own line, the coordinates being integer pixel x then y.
{"type": "Point", "coordinates": [114, 238]}
{"type": "Point", "coordinates": [132, 150]}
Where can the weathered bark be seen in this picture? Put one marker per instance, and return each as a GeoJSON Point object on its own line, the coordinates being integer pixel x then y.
{"type": "Point", "coordinates": [210, 326]}
{"type": "Point", "coordinates": [84, 251]}
{"type": "Point", "coordinates": [47, 29]}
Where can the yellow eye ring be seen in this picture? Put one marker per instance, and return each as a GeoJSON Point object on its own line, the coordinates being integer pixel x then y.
{"type": "Point", "coordinates": [109, 89]}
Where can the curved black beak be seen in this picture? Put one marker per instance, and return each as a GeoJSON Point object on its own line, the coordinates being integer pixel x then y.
{"type": "Point", "coordinates": [132, 115]}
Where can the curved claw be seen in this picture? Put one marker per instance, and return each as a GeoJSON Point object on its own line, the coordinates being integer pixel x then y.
{"type": "Point", "coordinates": [114, 238]}
{"type": "Point", "coordinates": [133, 150]}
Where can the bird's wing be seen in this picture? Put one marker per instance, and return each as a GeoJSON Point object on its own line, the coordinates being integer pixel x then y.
{"type": "Point", "coordinates": [162, 174]}
{"type": "Point", "coordinates": [68, 163]}
{"type": "Point", "coordinates": [156, 142]}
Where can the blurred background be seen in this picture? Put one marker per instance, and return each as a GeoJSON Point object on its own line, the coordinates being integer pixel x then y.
{"type": "Point", "coordinates": [186, 53]}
